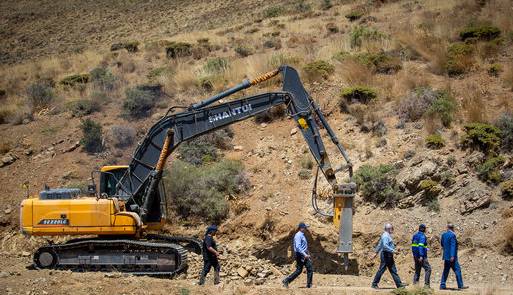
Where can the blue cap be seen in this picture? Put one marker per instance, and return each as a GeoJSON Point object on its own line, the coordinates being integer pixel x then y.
{"type": "Point", "coordinates": [302, 225]}
{"type": "Point", "coordinates": [211, 228]}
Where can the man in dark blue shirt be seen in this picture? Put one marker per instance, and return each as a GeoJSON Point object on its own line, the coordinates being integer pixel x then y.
{"type": "Point", "coordinates": [450, 257]}
{"type": "Point", "coordinates": [419, 250]}
{"type": "Point", "coordinates": [210, 256]}
{"type": "Point", "coordinates": [302, 257]}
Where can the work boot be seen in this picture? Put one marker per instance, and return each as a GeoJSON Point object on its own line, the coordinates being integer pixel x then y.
{"type": "Point", "coordinates": [285, 284]}
{"type": "Point", "coordinates": [462, 288]}
{"type": "Point", "coordinates": [201, 279]}
{"type": "Point", "coordinates": [217, 278]}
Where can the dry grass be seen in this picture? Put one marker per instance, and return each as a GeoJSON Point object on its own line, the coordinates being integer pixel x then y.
{"type": "Point", "coordinates": [473, 106]}
{"type": "Point", "coordinates": [354, 73]}
{"type": "Point", "coordinates": [507, 78]}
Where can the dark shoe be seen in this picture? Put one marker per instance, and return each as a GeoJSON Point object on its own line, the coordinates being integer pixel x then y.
{"type": "Point", "coordinates": [462, 288]}
{"type": "Point", "coordinates": [403, 285]}
{"type": "Point", "coordinates": [443, 288]}
{"type": "Point", "coordinates": [309, 286]}
{"type": "Point", "coordinates": [374, 287]}
{"type": "Point", "coordinates": [285, 284]}
{"type": "Point", "coordinates": [217, 278]}
{"type": "Point", "coordinates": [426, 286]}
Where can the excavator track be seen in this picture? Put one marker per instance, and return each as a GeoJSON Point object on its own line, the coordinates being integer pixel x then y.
{"type": "Point", "coordinates": [138, 257]}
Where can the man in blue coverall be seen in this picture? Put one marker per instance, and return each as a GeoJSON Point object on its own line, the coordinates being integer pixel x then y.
{"type": "Point", "coordinates": [450, 257]}
{"type": "Point", "coordinates": [386, 250]}
{"type": "Point", "coordinates": [419, 250]}
{"type": "Point", "coordinates": [302, 258]}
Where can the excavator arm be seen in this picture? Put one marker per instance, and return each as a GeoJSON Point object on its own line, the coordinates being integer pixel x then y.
{"type": "Point", "coordinates": [139, 184]}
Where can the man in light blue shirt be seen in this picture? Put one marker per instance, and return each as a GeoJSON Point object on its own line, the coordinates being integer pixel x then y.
{"type": "Point", "coordinates": [303, 259]}
{"type": "Point", "coordinates": [386, 249]}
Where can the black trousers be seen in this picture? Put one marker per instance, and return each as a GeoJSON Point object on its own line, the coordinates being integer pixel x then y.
{"type": "Point", "coordinates": [418, 267]}
{"type": "Point", "coordinates": [387, 262]}
{"type": "Point", "coordinates": [300, 263]}
{"type": "Point", "coordinates": [207, 265]}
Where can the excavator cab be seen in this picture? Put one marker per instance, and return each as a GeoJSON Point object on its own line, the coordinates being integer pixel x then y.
{"type": "Point", "coordinates": [109, 178]}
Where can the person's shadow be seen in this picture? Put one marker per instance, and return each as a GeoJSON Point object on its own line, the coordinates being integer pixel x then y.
{"type": "Point", "coordinates": [325, 261]}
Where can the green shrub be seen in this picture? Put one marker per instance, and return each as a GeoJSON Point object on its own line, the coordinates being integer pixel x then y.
{"type": "Point", "coordinates": [92, 140]}
{"type": "Point", "coordinates": [304, 174]}
{"type": "Point", "coordinates": [459, 59]}
{"type": "Point", "coordinates": [102, 78]}
{"type": "Point", "coordinates": [203, 149]}
{"type": "Point", "coordinates": [303, 7]}
{"type": "Point", "coordinates": [489, 170]}
{"type": "Point", "coordinates": [354, 15]}
{"type": "Point", "coordinates": [318, 70]}
{"type": "Point", "coordinates": [75, 79]}
{"type": "Point", "coordinates": [272, 43]}
{"type": "Point", "coordinates": [130, 46]}
{"type": "Point", "coordinates": [507, 189]}
{"type": "Point", "coordinates": [430, 188]}
{"type": "Point", "coordinates": [274, 11]}
{"type": "Point", "coordinates": [83, 107]}
{"type": "Point", "coordinates": [505, 125]}
{"type": "Point", "coordinates": [40, 95]}
{"type": "Point", "coordinates": [326, 4]}
{"type": "Point", "coordinates": [341, 55]}
{"type": "Point", "coordinates": [307, 163]}
{"type": "Point", "coordinates": [377, 184]}
{"type": "Point", "coordinates": [140, 100]}
{"type": "Point", "coordinates": [435, 141]}
{"type": "Point", "coordinates": [380, 62]}
{"type": "Point", "coordinates": [443, 107]}
{"type": "Point", "coordinates": [480, 32]}
{"type": "Point", "coordinates": [243, 50]}
{"type": "Point", "coordinates": [178, 49]}
{"type": "Point", "coordinates": [360, 94]}
{"type": "Point", "coordinates": [362, 33]}
{"type": "Point", "coordinates": [216, 65]}
{"type": "Point", "coordinates": [433, 205]}
{"type": "Point", "coordinates": [200, 191]}
{"type": "Point", "coordinates": [495, 70]}
{"type": "Point", "coordinates": [482, 136]}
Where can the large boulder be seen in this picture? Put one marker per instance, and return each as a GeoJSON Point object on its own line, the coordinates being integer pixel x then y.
{"type": "Point", "coordinates": [473, 195]}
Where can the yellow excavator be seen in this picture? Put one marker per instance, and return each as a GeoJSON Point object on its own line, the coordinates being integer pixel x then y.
{"type": "Point", "coordinates": [128, 205]}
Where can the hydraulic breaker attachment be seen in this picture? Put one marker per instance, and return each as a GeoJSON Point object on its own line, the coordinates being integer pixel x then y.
{"type": "Point", "coordinates": [343, 218]}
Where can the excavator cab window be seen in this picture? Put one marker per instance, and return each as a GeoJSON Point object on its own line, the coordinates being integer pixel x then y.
{"type": "Point", "coordinates": [109, 179]}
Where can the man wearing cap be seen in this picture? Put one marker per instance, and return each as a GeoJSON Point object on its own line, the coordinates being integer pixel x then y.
{"type": "Point", "coordinates": [419, 250]}
{"type": "Point", "coordinates": [303, 259]}
{"type": "Point", "coordinates": [386, 250]}
{"type": "Point", "coordinates": [210, 255]}
{"type": "Point", "coordinates": [450, 257]}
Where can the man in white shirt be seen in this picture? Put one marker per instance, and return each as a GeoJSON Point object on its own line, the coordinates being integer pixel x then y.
{"type": "Point", "coordinates": [386, 249]}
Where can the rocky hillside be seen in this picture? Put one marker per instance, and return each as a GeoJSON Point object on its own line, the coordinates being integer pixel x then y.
{"type": "Point", "coordinates": [419, 92]}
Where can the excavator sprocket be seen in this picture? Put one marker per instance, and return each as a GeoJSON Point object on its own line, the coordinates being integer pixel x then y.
{"type": "Point", "coordinates": [138, 257]}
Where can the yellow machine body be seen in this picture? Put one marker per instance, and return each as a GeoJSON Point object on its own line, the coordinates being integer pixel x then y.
{"type": "Point", "coordinates": [83, 216]}
{"type": "Point", "coordinates": [86, 215]}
